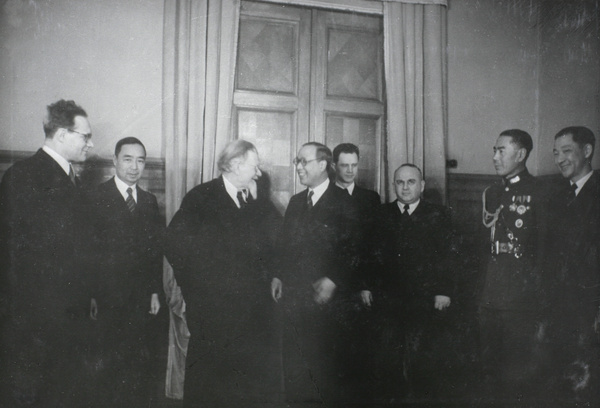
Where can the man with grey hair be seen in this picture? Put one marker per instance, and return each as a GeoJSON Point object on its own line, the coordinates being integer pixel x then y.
{"type": "Point", "coordinates": [220, 244]}
{"type": "Point", "coordinates": [43, 237]}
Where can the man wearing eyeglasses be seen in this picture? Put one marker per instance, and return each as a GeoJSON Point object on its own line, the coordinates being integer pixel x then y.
{"type": "Point", "coordinates": [43, 240]}
{"type": "Point", "coordinates": [316, 282]}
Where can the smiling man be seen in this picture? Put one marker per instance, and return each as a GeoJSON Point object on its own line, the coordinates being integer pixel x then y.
{"type": "Point", "coordinates": [575, 261]}
{"type": "Point", "coordinates": [43, 238]}
{"type": "Point", "coordinates": [129, 230]}
{"type": "Point", "coordinates": [315, 283]}
{"type": "Point", "coordinates": [510, 302]}
{"type": "Point", "coordinates": [221, 246]}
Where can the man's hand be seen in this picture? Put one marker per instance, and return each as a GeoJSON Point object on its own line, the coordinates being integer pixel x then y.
{"type": "Point", "coordinates": [366, 297]}
{"type": "Point", "coordinates": [441, 302]}
{"type": "Point", "coordinates": [154, 304]}
{"type": "Point", "coordinates": [93, 309]}
{"type": "Point", "coordinates": [276, 289]}
{"type": "Point", "coordinates": [324, 289]}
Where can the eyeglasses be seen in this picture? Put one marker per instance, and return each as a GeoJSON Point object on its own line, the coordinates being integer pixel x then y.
{"type": "Point", "coordinates": [86, 136]}
{"type": "Point", "coordinates": [302, 161]}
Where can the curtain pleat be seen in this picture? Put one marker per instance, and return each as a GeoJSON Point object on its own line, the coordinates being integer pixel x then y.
{"type": "Point", "coordinates": [414, 55]}
{"type": "Point", "coordinates": [199, 48]}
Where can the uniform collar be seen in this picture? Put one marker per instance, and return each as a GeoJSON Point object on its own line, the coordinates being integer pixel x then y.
{"type": "Point", "coordinates": [516, 178]}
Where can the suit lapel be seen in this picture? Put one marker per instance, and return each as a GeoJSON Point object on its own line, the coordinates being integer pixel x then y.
{"type": "Point", "coordinates": [57, 172]}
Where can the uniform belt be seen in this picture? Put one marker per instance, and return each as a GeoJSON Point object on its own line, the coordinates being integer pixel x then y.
{"type": "Point", "coordinates": [502, 248]}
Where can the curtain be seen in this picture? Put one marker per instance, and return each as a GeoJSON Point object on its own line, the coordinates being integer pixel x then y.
{"type": "Point", "coordinates": [415, 72]}
{"type": "Point", "coordinates": [199, 45]}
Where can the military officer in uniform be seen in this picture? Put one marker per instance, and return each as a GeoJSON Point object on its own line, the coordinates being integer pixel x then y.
{"type": "Point", "coordinates": [509, 302]}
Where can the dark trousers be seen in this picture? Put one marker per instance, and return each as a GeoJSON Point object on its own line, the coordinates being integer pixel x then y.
{"type": "Point", "coordinates": [511, 355]}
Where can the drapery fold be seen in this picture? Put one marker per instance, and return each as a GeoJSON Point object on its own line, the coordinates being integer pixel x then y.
{"type": "Point", "coordinates": [414, 62]}
{"type": "Point", "coordinates": [199, 47]}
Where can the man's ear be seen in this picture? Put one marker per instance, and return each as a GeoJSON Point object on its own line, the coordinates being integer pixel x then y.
{"type": "Point", "coordinates": [522, 154]}
{"type": "Point", "coordinates": [115, 160]}
{"type": "Point", "coordinates": [422, 186]}
{"type": "Point", "coordinates": [60, 135]}
{"type": "Point", "coordinates": [588, 150]}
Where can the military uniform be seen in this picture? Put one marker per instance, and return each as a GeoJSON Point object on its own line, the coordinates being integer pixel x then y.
{"type": "Point", "coordinates": [510, 303]}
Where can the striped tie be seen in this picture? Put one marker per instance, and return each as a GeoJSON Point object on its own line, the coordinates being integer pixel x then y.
{"type": "Point", "coordinates": [72, 175]}
{"type": "Point", "coordinates": [309, 203]}
{"type": "Point", "coordinates": [130, 201]}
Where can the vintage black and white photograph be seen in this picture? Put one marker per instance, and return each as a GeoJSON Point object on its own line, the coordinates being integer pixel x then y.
{"type": "Point", "coordinates": [299, 203]}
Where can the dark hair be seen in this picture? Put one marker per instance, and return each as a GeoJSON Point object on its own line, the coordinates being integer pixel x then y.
{"type": "Point", "coordinates": [235, 149]}
{"type": "Point", "coordinates": [128, 141]}
{"type": "Point", "coordinates": [61, 114]}
{"type": "Point", "coordinates": [323, 153]}
{"type": "Point", "coordinates": [414, 166]}
{"type": "Point", "coordinates": [581, 135]}
{"type": "Point", "coordinates": [348, 148]}
{"type": "Point", "coordinates": [521, 139]}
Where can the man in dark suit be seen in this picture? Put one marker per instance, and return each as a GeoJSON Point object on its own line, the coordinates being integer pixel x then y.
{"type": "Point", "coordinates": [576, 261]}
{"type": "Point", "coordinates": [129, 230]}
{"type": "Point", "coordinates": [346, 157]}
{"type": "Point", "coordinates": [416, 283]}
{"type": "Point", "coordinates": [220, 244]}
{"type": "Point", "coordinates": [43, 238]}
{"type": "Point", "coordinates": [316, 280]}
{"type": "Point", "coordinates": [360, 336]}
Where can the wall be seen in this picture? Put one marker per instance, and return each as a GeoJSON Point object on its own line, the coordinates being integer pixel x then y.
{"type": "Point", "coordinates": [532, 65]}
{"type": "Point", "coordinates": [569, 73]}
{"type": "Point", "coordinates": [492, 77]}
{"type": "Point", "coordinates": [106, 55]}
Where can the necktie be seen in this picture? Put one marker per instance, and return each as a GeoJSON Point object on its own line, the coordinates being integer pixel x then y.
{"type": "Point", "coordinates": [309, 203]}
{"type": "Point", "coordinates": [405, 214]}
{"type": "Point", "coordinates": [72, 175]}
{"type": "Point", "coordinates": [241, 197]}
{"type": "Point", "coordinates": [571, 194]}
{"type": "Point", "coordinates": [130, 201]}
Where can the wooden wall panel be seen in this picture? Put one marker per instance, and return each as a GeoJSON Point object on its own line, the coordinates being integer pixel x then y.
{"type": "Point", "coordinates": [96, 170]}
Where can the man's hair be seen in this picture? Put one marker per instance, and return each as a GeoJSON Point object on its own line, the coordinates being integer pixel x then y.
{"type": "Point", "coordinates": [237, 148]}
{"type": "Point", "coordinates": [414, 166]}
{"type": "Point", "coordinates": [128, 141]}
{"type": "Point", "coordinates": [61, 114]}
{"type": "Point", "coordinates": [347, 148]}
{"type": "Point", "coordinates": [521, 139]}
{"type": "Point", "coordinates": [323, 153]}
{"type": "Point", "coordinates": [581, 135]}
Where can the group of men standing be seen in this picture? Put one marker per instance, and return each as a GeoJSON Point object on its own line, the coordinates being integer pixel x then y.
{"type": "Point", "coordinates": [340, 298]}
{"type": "Point", "coordinates": [81, 273]}
{"type": "Point", "coordinates": [539, 304]}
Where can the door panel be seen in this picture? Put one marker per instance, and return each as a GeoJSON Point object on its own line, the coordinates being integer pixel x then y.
{"type": "Point", "coordinates": [307, 74]}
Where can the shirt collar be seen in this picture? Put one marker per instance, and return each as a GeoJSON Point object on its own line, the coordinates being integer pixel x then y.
{"type": "Point", "coordinates": [350, 188]}
{"type": "Point", "coordinates": [581, 182]}
{"type": "Point", "coordinates": [231, 190]}
{"type": "Point", "coordinates": [64, 163]}
{"type": "Point", "coordinates": [411, 207]}
{"type": "Point", "coordinates": [319, 190]}
{"type": "Point", "coordinates": [122, 187]}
